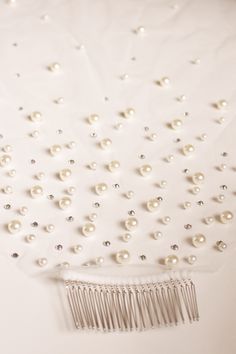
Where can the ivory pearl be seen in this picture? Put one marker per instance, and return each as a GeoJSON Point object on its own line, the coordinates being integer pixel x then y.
{"type": "Point", "coordinates": [221, 104]}
{"type": "Point", "coordinates": [152, 205]}
{"type": "Point", "coordinates": [36, 191]}
{"type": "Point", "coordinates": [176, 124]}
{"type": "Point", "coordinates": [221, 120]}
{"type": "Point", "coordinates": [35, 134]}
{"type": "Point", "coordinates": [198, 178]}
{"type": "Point", "coordinates": [157, 235]}
{"type": "Point", "coordinates": [54, 67]}
{"type": "Point", "coordinates": [113, 166]}
{"type": "Point", "coordinates": [12, 173]}
{"type": "Point", "coordinates": [23, 210]}
{"type": "Point", "coordinates": [170, 158]}
{"type": "Point", "coordinates": [42, 262]}
{"type": "Point", "coordinates": [166, 220]}
{"type": "Point", "coordinates": [226, 216]}
{"type": "Point", "coordinates": [77, 248]}
{"type": "Point", "coordinates": [65, 174]}
{"type": "Point", "coordinates": [188, 149]}
{"type": "Point", "coordinates": [220, 198]}
{"type": "Point", "coordinates": [7, 148]}
{"type": "Point", "coordinates": [94, 118]}
{"type": "Point", "coordinates": [129, 113]}
{"type": "Point", "coordinates": [101, 188]}
{"type": "Point", "coordinates": [153, 136]}
{"type": "Point", "coordinates": [5, 160]}
{"type": "Point", "coordinates": [64, 203]}
{"type": "Point", "coordinates": [99, 261]}
{"type": "Point", "coordinates": [130, 194]}
{"type": "Point", "coordinates": [203, 137]}
{"type": "Point", "coordinates": [14, 226]}
{"type": "Point", "coordinates": [191, 259]}
{"type": "Point", "coordinates": [119, 126]}
{"type": "Point", "coordinates": [59, 100]}
{"type": "Point", "coordinates": [127, 237]}
{"type": "Point", "coordinates": [145, 170]}
{"type": "Point", "coordinates": [171, 260]}
{"type": "Point", "coordinates": [36, 116]}
{"type": "Point", "coordinates": [131, 224]}
{"type": "Point", "coordinates": [198, 240]}
{"type": "Point", "coordinates": [140, 30]}
{"type": "Point", "coordinates": [209, 220]}
{"type": "Point", "coordinates": [221, 246]}
{"type": "Point", "coordinates": [196, 190]}
{"type": "Point", "coordinates": [71, 190]}
{"type": "Point", "coordinates": [50, 228]}
{"type": "Point", "coordinates": [71, 145]}
{"type": "Point", "coordinates": [164, 81]}
{"type": "Point", "coordinates": [122, 257]}
{"type": "Point", "coordinates": [8, 189]}
{"type": "Point", "coordinates": [40, 175]}
{"type": "Point", "coordinates": [88, 229]}
{"type": "Point", "coordinates": [30, 238]}
{"type": "Point", "coordinates": [93, 165]}
{"type": "Point", "coordinates": [222, 167]}
{"type": "Point", "coordinates": [187, 205]}
{"type": "Point", "coordinates": [163, 184]}
{"type": "Point", "coordinates": [55, 149]}
{"type": "Point", "coordinates": [93, 217]}
{"type": "Point", "coordinates": [105, 143]}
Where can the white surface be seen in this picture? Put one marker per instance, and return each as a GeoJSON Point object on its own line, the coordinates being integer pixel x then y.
{"type": "Point", "coordinates": [175, 34]}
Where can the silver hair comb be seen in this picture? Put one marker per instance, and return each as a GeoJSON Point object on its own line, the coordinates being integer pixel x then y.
{"type": "Point", "coordinates": [125, 301]}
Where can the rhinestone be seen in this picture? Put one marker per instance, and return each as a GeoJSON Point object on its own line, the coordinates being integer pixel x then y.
{"type": "Point", "coordinates": [174, 247]}
{"type": "Point", "coordinates": [188, 226]}
{"type": "Point", "coordinates": [32, 161]}
{"type": "Point", "coordinates": [96, 205]}
{"type": "Point", "coordinates": [200, 202]}
{"type": "Point", "coordinates": [71, 162]}
{"type": "Point", "coordinates": [58, 247]}
{"type": "Point", "coordinates": [59, 131]}
{"type": "Point", "coordinates": [224, 154]}
{"type": "Point", "coordinates": [142, 156]}
{"type": "Point", "coordinates": [34, 224]}
{"type": "Point", "coordinates": [146, 129]}
{"type": "Point", "coordinates": [7, 206]}
{"type": "Point", "coordinates": [143, 257]}
{"type": "Point", "coordinates": [131, 212]}
{"type": "Point", "coordinates": [15, 255]}
{"type": "Point", "coordinates": [106, 243]}
{"type": "Point", "coordinates": [186, 170]}
{"type": "Point", "coordinates": [70, 218]}
{"type": "Point", "coordinates": [160, 199]}
{"type": "Point", "coordinates": [93, 135]}
{"type": "Point", "coordinates": [116, 185]}
{"type": "Point", "coordinates": [224, 187]}
{"type": "Point", "coordinates": [50, 196]}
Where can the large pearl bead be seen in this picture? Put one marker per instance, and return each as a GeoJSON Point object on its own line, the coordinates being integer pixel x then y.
{"type": "Point", "coordinates": [131, 224]}
{"type": "Point", "coordinates": [129, 113]}
{"type": "Point", "coordinates": [36, 191]}
{"type": "Point", "coordinates": [122, 257]}
{"type": "Point", "coordinates": [36, 116]}
{"type": "Point", "coordinates": [88, 229]}
{"type": "Point", "coordinates": [176, 124]}
{"type": "Point", "coordinates": [64, 202]}
{"type": "Point", "coordinates": [198, 178]}
{"type": "Point", "coordinates": [191, 259]}
{"type": "Point", "coordinates": [145, 170]}
{"type": "Point", "coordinates": [221, 246]}
{"type": "Point", "coordinates": [94, 118]}
{"type": "Point", "coordinates": [55, 149]}
{"type": "Point", "coordinates": [188, 149]}
{"type": "Point", "coordinates": [5, 160]}
{"type": "Point", "coordinates": [226, 216]}
{"type": "Point", "coordinates": [171, 261]}
{"type": "Point", "coordinates": [65, 174]}
{"type": "Point", "coordinates": [152, 205]}
{"type": "Point", "coordinates": [198, 240]}
{"type": "Point", "coordinates": [101, 188]}
{"type": "Point", "coordinates": [105, 143]}
{"type": "Point", "coordinates": [113, 166]}
{"type": "Point", "coordinates": [14, 226]}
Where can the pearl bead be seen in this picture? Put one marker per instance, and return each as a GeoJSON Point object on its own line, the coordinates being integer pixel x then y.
{"type": "Point", "coordinates": [40, 175]}
{"type": "Point", "coordinates": [221, 104]}
{"type": "Point", "coordinates": [127, 237]}
{"type": "Point", "coordinates": [42, 262]}
{"type": "Point", "coordinates": [64, 202]}
{"type": "Point", "coordinates": [94, 118]}
{"type": "Point", "coordinates": [50, 228]}
{"type": "Point", "coordinates": [226, 216]}
{"type": "Point", "coordinates": [196, 61]}
{"type": "Point", "coordinates": [30, 238]}
{"type": "Point", "coordinates": [7, 148]}
{"type": "Point", "coordinates": [182, 98]}
{"type": "Point", "coordinates": [99, 260]}
{"type": "Point", "coordinates": [12, 173]}
{"type": "Point", "coordinates": [124, 77]}
{"type": "Point", "coordinates": [131, 224]}
{"type": "Point", "coordinates": [140, 30]}
{"type": "Point", "coordinates": [92, 217]}
{"type": "Point", "coordinates": [222, 167]}
{"type": "Point", "coordinates": [55, 149]}
{"type": "Point", "coordinates": [196, 190]}
{"type": "Point", "coordinates": [221, 246]}
{"type": "Point", "coordinates": [129, 113]}
{"type": "Point", "coordinates": [119, 126]}
{"type": "Point", "coordinates": [129, 194]}
{"type": "Point", "coordinates": [164, 81]}
{"type": "Point", "coordinates": [65, 174]}
{"type": "Point", "coordinates": [191, 259]}
{"type": "Point", "coordinates": [209, 220]}
{"type": "Point", "coordinates": [8, 189]}
{"type": "Point", "coordinates": [203, 137]}
{"type": "Point", "coordinates": [187, 205]}
{"type": "Point", "coordinates": [77, 248]}
{"type": "Point", "coordinates": [176, 124]}
{"type": "Point", "coordinates": [198, 178]}
{"type": "Point", "coordinates": [14, 226]}
{"type": "Point", "coordinates": [163, 184]}
{"type": "Point", "coordinates": [122, 257]}
{"type": "Point", "coordinates": [88, 229]}
{"type": "Point", "coordinates": [166, 220]}
{"type": "Point", "coordinates": [36, 191]}
{"type": "Point", "coordinates": [153, 136]}
{"type": "Point", "coordinates": [188, 149]}
{"type": "Point", "coordinates": [221, 120]}
{"type": "Point", "coordinates": [220, 198]}
{"type": "Point", "coordinates": [5, 160]}
{"type": "Point", "coordinates": [23, 210]}
{"type": "Point", "coordinates": [198, 240]}
{"type": "Point", "coordinates": [171, 261]}
{"type": "Point", "coordinates": [93, 165]}
{"type": "Point", "coordinates": [145, 170]}
{"type": "Point", "coordinates": [54, 67]}
{"type": "Point", "coordinates": [105, 143]}
{"type": "Point", "coordinates": [152, 205]}
{"type": "Point", "coordinates": [71, 145]}
{"type": "Point", "coordinates": [71, 190]}
{"type": "Point", "coordinates": [170, 158]}
{"type": "Point", "coordinates": [59, 100]}
{"type": "Point", "coordinates": [157, 235]}
{"type": "Point", "coordinates": [36, 116]}
{"type": "Point", "coordinates": [35, 134]}
{"type": "Point", "coordinates": [113, 166]}
{"type": "Point", "coordinates": [101, 188]}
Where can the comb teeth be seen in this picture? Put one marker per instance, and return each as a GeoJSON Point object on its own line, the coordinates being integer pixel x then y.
{"type": "Point", "coordinates": [131, 307]}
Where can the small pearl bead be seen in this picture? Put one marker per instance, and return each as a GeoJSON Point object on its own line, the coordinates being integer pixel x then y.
{"type": "Point", "coordinates": [209, 220]}
{"type": "Point", "coordinates": [129, 113]}
{"type": "Point", "coordinates": [221, 120]}
{"type": "Point", "coordinates": [119, 126]}
{"type": "Point", "coordinates": [157, 235]}
{"type": "Point", "coordinates": [59, 100]}
{"type": "Point", "coordinates": [220, 198]}
{"type": "Point", "coordinates": [65, 174]}
{"type": "Point", "coordinates": [64, 202]}
{"type": "Point", "coordinates": [221, 246]}
{"type": "Point", "coordinates": [54, 67]}
{"type": "Point", "coordinates": [163, 184]}
{"type": "Point", "coordinates": [7, 148]}
{"type": "Point", "coordinates": [93, 165]}
{"type": "Point", "coordinates": [176, 124]}
{"type": "Point", "coordinates": [164, 81]}
{"type": "Point", "coordinates": [122, 257]}
{"type": "Point", "coordinates": [170, 158]}
{"type": "Point", "coordinates": [152, 205]}
{"type": "Point", "coordinates": [23, 210]}
{"type": "Point", "coordinates": [188, 149]}
{"type": "Point", "coordinates": [198, 240]}
{"type": "Point", "coordinates": [131, 224]}
{"type": "Point", "coordinates": [196, 61]}
{"type": "Point", "coordinates": [166, 220]}
{"type": "Point", "coordinates": [30, 238]}
{"type": "Point", "coordinates": [222, 167]}
{"type": "Point", "coordinates": [93, 217]}
{"type": "Point", "coordinates": [191, 259]}
{"type": "Point", "coordinates": [129, 194]}
{"type": "Point", "coordinates": [152, 137]}
{"type": "Point", "coordinates": [198, 178]}
{"type": "Point", "coordinates": [50, 228]}
{"type": "Point", "coordinates": [71, 145]}
{"type": "Point", "coordinates": [42, 262]}
{"type": "Point", "coordinates": [226, 216]}
{"type": "Point", "coordinates": [105, 143]}
{"type": "Point", "coordinates": [40, 175]}
{"type": "Point", "coordinates": [36, 191]}
{"type": "Point", "coordinates": [94, 118]}
{"type": "Point", "coordinates": [36, 116]}
{"type": "Point", "coordinates": [196, 190]}
{"type": "Point", "coordinates": [5, 160]}
{"type": "Point", "coordinates": [113, 166]}
{"type": "Point", "coordinates": [8, 189]}
{"type": "Point", "coordinates": [12, 173]}
{"type": "Point", "coordinates": [88, 229]}
{"type": "Point", "coordinates": [101, 188]}
{"type": "Point", "coordinates": [127, 237]}
{"type": "Point", "coordinates": [145, 170]}
{"type": "Point", "coordinates": [222, 104]}
{"type": "Point", "coordinates": [124, 77]}
{"type": "Point", "coordinates": [71, 190]}
{"type": "Point", "coordinates": [99, 260]}
{"type": "Point", "coordinates": [203, 137]}
{"type": "Point", "coordinates": [140, 30]}
{"type": "Point", "coordinates": [55, 149]}
{"type": "Point", "coordinates": [77, 248]}
{"type": "Point", "coordinates": [171, 261]}
{"type": "Point", "coordinates": [14, 226]}
{"type": "Point", "coordinates": [187, 205]}
{"type": "Point", "coordinates": [182, 98]}
{"type": "Point", "coordinates": [35, 134]}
